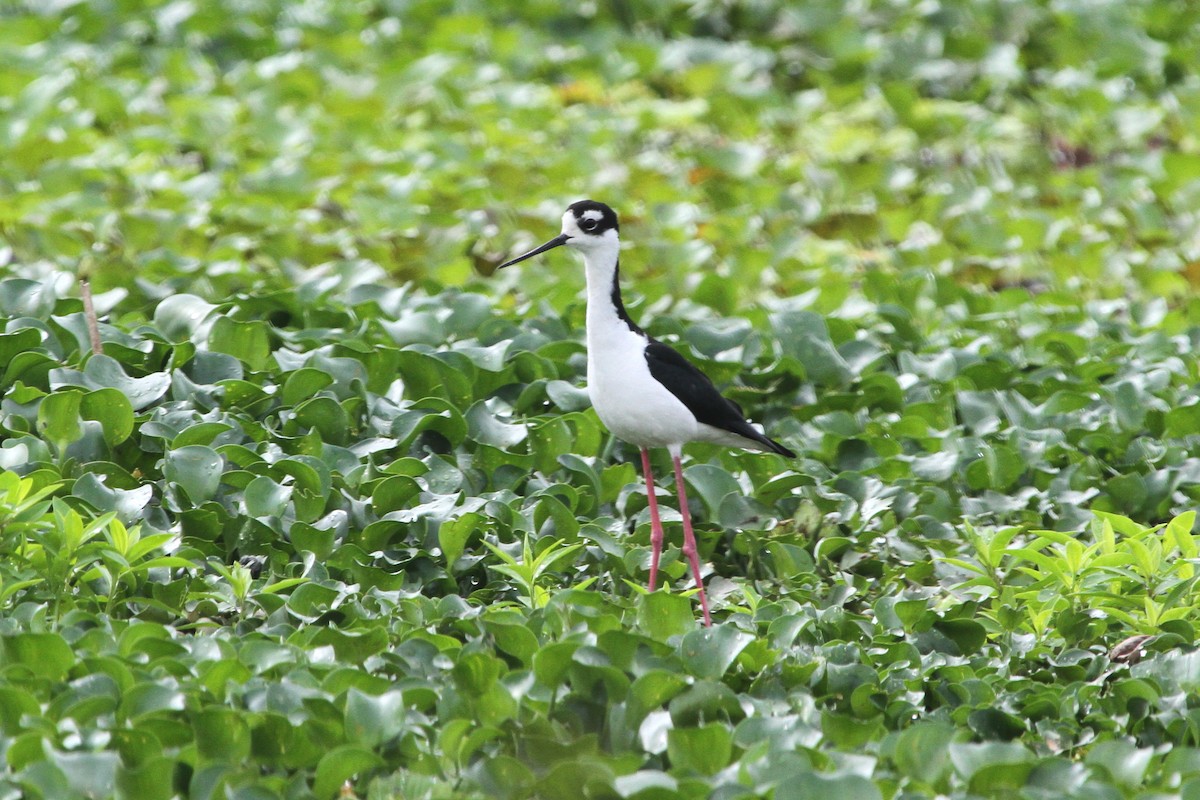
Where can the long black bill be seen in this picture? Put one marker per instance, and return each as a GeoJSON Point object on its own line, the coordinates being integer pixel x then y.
{"type": "Point", "coordinates": [557, 241]}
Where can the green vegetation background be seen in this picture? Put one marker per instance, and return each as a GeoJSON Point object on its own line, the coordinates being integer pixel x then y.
{"type": "Point", "coordinates": [944, 250]}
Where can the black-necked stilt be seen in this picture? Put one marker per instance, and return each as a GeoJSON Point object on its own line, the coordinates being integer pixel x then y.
{"type": "Point", "coordinates": [643, 391]}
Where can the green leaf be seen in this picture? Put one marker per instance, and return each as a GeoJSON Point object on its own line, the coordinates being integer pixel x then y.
{"type": "Point", "coordinates": [454, 534]}
{"type": "Point", "coordinates": [104, 372]}
{"type": "Point", "coordinates": [112, 410]}
{"type": "Point", "coordinates": [663, 615]}
{"type": "Point", "coordinates": [341, 764]}
{"type": "Point", "coordinates": [652, 690]}
{"type": "Point", "coordinates": [89, 774]}
{"type": "Point", "coordinates": [44, 654]}
{"type": "Point", "coordinates": [552, 662]}
{"type": "Point", "coordinates": [713, 484]}
{"type": "Point", "coordinates": [222, 735]}
{"type": "Point", "coordinates": [706, 749]}
{"type": "Point", "coordinates": [991, 766]}
{"type": "Point", "coordinates": [181, 315]}
{"type": "Point", "coordinates": [709, 652]}
{"type": "Point", "coordinates": [513, 637]}
{"type": "Point", "coordinates": [264, 497]}
{"type": "Point", "coordinates": [196, 469]}
{"type": "Point", "coordinates": [372, 720]}
{"type": "Point", "coordinates": [922, 751]}
{"type": "Point", "coordinates": [58, 417]}
{"type": "Point", "coordinates": [1125, 762]}
{"type": "Point", "coordinates": [813, 784]}
{"type": "Point", "coordinates": [303, 384]}
{"type": "Point", "coordinates": [248, 342]}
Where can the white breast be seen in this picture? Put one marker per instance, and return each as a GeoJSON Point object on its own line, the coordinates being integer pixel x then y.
{"type": "Point", "coordinates": [627, 398]}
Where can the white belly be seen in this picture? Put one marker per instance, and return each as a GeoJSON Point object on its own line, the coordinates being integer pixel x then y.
{"type": "Point", "coordinates": [628, 400]}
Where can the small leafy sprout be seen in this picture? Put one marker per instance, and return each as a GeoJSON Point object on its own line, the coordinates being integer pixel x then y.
{"type": "Point", "coordinates": [1141, 576]}
{"type": "Point", "coordinates": [529, 571]}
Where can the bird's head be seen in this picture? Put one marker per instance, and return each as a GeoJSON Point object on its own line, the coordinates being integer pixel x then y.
{"type": "Point", "coordinates": [587, 226]}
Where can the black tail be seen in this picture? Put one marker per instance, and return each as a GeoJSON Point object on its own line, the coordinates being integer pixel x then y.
{"type": "Point", "coordinates": [747, 431]}
{"type": "Point", "coordinates": [778, 448]}
{"type": "Point", "coordinates": [773, 446]}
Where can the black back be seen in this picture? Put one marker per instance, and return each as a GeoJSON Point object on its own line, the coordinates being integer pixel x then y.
{"type": "Point", "coordinates": [694, 389]}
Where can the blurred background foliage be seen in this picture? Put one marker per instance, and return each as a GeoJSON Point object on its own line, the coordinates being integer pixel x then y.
{"type": "Point", "coordinates": [751, 147]}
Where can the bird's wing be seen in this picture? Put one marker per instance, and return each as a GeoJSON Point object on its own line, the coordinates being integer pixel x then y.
{"type": "Point", "coordinates": [694, 389]}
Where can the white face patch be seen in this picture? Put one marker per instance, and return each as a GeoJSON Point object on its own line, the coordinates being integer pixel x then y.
{"type": "Point", "coordinates": [583, 234]}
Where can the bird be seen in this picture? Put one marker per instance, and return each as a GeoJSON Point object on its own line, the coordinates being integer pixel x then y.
{"type": "Point", "coordinates": [644, 391]}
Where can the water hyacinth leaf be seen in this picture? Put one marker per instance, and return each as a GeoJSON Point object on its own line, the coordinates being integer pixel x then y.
{"type": "Point", "coordinates": [922, 751]}
{"type": "Point", "coordinates": [513, 637]}
{"type": "Point", "coordinates": [303, 384]}
{"type": "Point", "coordinates": [196, 469]}
{"type": "Point", "coordinates": [709, 652]}
{"type": "Point", "coordinates": [340, 765]}
{"type": "Point", "coordinates": [127, 503]}
{"type": "Point", "coordinates": [712, 483]}
{"type": "Point", "coordinates": [454, 534]}
{"type": "Point", "coordinates": [1125, 762]}
{"type": "Point", "coordinates": [222, 735]}
{"type": "Point", "coordinates": [17, 342]}
{"type": "Point", "coordinates": [180, 316]}
{"type": "Point", "coordinates": [327, 417]}
{"type": "Point", "coordinates": [647, 785]}
{"type": "Point", "coordinates": [89, 774]}
{"type": "Point", "coordinates": [266, 498]}
{"type": "Point", "coordinates": [968, 635]}
{"type": "Point", "coordinates": [805, 336]}
{"type": "Point", "coordinates": [663, 615]}
{"type": "Point", "coordinates": [991, 766]}
{"type": "Point", "coordinates": [150, 699]}
{"type": "Point", "coordinates": [650, 692]}
{"type": "Point", "coordinates": [552, 662]}
{"type": "Point", "coordinates": [483, 426]}
{"type": "Point", "coordinates": [815, 784]}
{"type": "Point", "coordinates": [58, 417]}
{"type": "Point", "coordinates": [45, 654]}
{"type": "Point", "coordinates": [112, 409]}
{"type": "Point", "coordinates": [374, 719]}
{"type": "Point", "coordinates": [994, 724]}
{"type": "Point", "coordinates": [248, 342]}
{"type": "Point", "coordinates": [567, 397]}
{"type": "Point", "coordinates": [426, 376]}
{"type": "Point", "coordinates": [104, 372]}
{"type": "Point", "coordinates": [148, 777]}
{"type": "Point", "coordinates": [705, 749]}
{"type": "Point", "coordinates": [21, 297]}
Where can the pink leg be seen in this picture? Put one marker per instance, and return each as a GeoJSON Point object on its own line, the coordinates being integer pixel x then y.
{"type": "Point", "coordinates": [656, 529]}
{"type": "Point", "coordinates": [689, 539]}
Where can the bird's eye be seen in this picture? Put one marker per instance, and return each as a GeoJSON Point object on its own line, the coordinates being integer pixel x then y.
{"type": "Point", "coordinates": [588, 225]}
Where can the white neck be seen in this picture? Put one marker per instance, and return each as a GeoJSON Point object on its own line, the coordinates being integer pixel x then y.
{"type": "Point", "coordinates": [603, 314]}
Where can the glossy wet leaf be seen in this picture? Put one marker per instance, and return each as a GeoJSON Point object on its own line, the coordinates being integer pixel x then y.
{"type": "Point", "coordinates": [58, 417]}
{"type": "Point", "coordinates": [705, 749]}
{"type": "Point", "coordinates": [113, 410]}
{"type": "Point", "coordinates": [709, 652]}
{"type": "Point", "coordinates": [341, 764]}
{"type": "Point", "coordinates": [196, 469]}
{"type": "Point", "coordinates": [104, 372]}
{"type": "Point", "coordinates": [248, 342]}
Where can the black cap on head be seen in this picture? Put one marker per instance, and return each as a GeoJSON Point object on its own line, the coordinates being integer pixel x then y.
{"type": "Point", "coordinates": [594, 218]}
